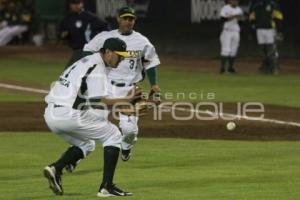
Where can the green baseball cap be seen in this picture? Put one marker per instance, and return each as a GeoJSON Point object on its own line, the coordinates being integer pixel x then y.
{"type": "Point", "coordinates": [126, 12]}
{"type": "Point", "coordinates": [116, 45]}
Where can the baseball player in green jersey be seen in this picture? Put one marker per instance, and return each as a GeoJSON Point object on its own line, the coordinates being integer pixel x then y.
{"type": "Point", "coordinates": [266, 17]}
{"type": "Point", "coordinates": [77, 111]}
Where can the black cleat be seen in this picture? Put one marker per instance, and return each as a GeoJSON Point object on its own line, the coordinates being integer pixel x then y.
{"type": "Point", "coordinates": [222, 71]}
{"type": "Point", "coordinates": [126, 154]}
{"type": "Point", "coordinates": [231, 71]}
{"type": "Point", "coordinates": [54, 180]}
{"type": "Point", "coordinates": [110, 191]}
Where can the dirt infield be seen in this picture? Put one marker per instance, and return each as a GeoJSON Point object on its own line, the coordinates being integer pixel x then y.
{"type": "Point", "coordinates": [29, 117]}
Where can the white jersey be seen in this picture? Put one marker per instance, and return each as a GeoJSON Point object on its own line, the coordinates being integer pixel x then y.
{"type": "Point", "coordinates": [86, 78]}
{"type": "Point", "coordinates": [130, 69]}
{"type": "Point", "coordinates": [227, 11]}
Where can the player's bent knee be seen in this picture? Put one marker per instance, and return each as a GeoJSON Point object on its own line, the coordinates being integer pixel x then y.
{"type": "Point", "coordinates": [115, 139]}
{"type": "Point", "coordinates": [130, 138]}
{"type": "Point", "coordinates": [88, 147]}
{"type": "Point", "coordinates": [129, 129]}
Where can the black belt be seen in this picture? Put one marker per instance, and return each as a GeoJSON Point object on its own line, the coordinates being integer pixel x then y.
{"type": "Point", "coordinates": [120, 84]}
{"type": "Point", "coordinates": [83, 107]}
{"type": "Point", "coordinates": [57, 106]}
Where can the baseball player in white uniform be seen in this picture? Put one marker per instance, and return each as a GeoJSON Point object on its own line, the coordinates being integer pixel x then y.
{"type": "Point", "coordinates": [230, 36]}
{"type": "Point", "coordinates": [130, 70]}
{"type": "Point", "coordinates": [77, 112]}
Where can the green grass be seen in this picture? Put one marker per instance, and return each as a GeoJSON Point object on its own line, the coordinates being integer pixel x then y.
{"type": "Point", "coordinates": [30, 71]}
{"type": "Point", "coordinates": [278, 90]}
{"type": "Point", "coordinates": [167, 169]}
{"type": "Point", "coordinates": [14, 97]}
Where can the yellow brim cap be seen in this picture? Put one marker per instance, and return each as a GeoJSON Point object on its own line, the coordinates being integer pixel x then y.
{"type": "Point", "coordinates": [125, 54]}
{"type": "Point", "coordinates": [128, 15]}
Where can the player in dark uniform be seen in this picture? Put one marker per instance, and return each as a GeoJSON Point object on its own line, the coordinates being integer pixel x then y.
{"type": "Point", "coordinates": [266, 17]}
{"type": "Point", "coordinates": [79, 27]}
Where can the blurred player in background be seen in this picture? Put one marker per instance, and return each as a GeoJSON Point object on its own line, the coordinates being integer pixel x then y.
{"type": "Point", "coordinates": [230, 36]}
{"type": "Point", "coordinates": [79, 27]}
{"type": "Point", "coordinates": [266, 17]}
{"type": "Point", "coordinates": [14, 21]}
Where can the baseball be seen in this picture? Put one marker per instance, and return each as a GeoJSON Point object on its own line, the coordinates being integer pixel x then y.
{"type": "Point", "coordinates": [230, 126]}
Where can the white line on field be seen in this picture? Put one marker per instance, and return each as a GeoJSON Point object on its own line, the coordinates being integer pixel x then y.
{"type": "Point", "coordinates": [28, 89]}
{"type": "Point", "coordinates": [275, 121]}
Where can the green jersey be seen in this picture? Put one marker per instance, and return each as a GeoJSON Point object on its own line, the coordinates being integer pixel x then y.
{"type": "Point", "coordinates": [264, 13]}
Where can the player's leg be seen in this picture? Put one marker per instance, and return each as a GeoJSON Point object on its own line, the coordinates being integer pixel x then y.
{"type": "Point", "coordinates": [64, 123]}
{"type": "Point", "coordinates": [128, 124]}
{"type": "Point", "coordinates": [129, 129]}
{"type": "Point", "coordinates": [235, 41]}
{"type": "Point", "coordinates": [225, 50]}
{"type": "Point", "coordinates": [262, 42]}
{"type": "Point", "coordinates": [272, 54]}
{"type": "Point", "coordinates": [93, 126]}
{"type": "Point", "coordinates": [111, 138]}
{"type": "Point", "coordinates": [70, 157]}
{"type": "Point", "coordinates": [272, 58]}
{"type": "Point", "coordinates": [276, 60]}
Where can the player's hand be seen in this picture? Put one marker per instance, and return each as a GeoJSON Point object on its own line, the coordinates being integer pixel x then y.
{"type": "Point", "coordinates": [155, 95]}
{"type": "Point", "coordinates": [156, 88]}
{"type": "Point", "coordinates": [135, 95]}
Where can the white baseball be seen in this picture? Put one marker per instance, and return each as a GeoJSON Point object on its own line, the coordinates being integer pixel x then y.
{"type": "Point", "coordinates": [230, 126]}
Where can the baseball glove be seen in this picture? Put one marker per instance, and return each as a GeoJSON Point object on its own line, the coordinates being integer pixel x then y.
{"type": "Point", "coordinates": [138, 105]}
{"type": "Point", "coordinates": [155, 95]}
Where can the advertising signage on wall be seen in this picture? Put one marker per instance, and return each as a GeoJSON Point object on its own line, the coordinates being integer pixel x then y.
{"type": "Point", "coordinates": [188, 11]}
{"type": "Point", "coordinates": [108, 8]}
{"type": "Point", "coordinates": [205, 10]}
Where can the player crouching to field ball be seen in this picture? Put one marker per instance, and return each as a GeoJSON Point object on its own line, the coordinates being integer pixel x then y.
{"type": "Point", "coordinates": [77, 112]}
{"type": "Point", "coordinates": [230, 36]}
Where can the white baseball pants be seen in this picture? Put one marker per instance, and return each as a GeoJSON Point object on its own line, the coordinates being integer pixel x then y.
{"type": "Point", "coordinates": [265, 36]}
{"type": "Point", "coordinates": [230, 41]}
{"type": "Point", "coordinates": [82, 128]}
{"type": "Point", "coordinates": [127, 124]}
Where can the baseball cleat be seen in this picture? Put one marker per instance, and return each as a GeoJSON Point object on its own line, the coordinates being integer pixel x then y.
{"type": "Point", "coordinates": [125, 154]}
{"type": "Point", "coordinates": [54, 180]}
{"type": "Point", "coordinates": [222, 71]}
{"type": "Point", "coordinates": [232, 71]}
{"type": "Point", "coordinates": [110, 191]}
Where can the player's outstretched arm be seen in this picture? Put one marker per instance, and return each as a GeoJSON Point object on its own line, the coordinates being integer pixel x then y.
{"type": "Point", "coordinates": [133, 96]}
